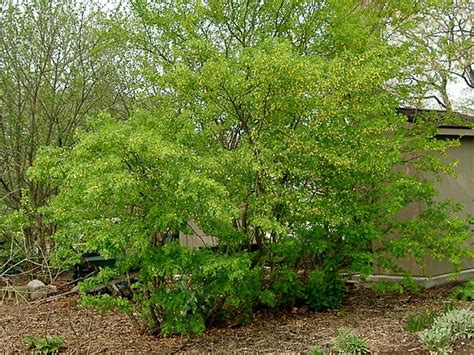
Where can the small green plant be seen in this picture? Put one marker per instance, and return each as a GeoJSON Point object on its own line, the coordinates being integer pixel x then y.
{"type": "Point", "coordinates": [457, 323]}
{"type": "Point", "coordinates": [387, 287]}
{"type": "Point", "coordinates": [416, 322]}
{"type": "Point", "coordinates": [464, 292]}
{"type": "Point", "coordinates": [460, 321]}
{"type": "Point", "coordinates": [46, 345]}
{"type": "Point", "coordinates": [436, 339]}
{"type": "Point", "coordinates": [317, 350]}
{"type": "Point", "coordinates": [407, 284]}
{"type": "Point", "coordinates": [348, 342]}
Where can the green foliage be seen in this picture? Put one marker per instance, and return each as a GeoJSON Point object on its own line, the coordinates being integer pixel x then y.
{"type": "Point", "coordinates": [66, 81]}
{"type": "Point", "coordinates": [180, 291]}
{"type": "Point", "coordinates": [387, 287]}
{"type": "Point", "coordinates": [316, 350]}
{"type": "Point", "coordinates": [460, 321]}
{"type": "Point", "coordinates": [272, 126]}
{"type": "Point", "coordinates": [408, 284]}
{"type": "Point", "coordinates": [324, 290]}
{"type": "Point", "coordinates": [464, 292]}
{"type": "Point", "coordinates": [454, 324]}
{"type": "Point", "coordinates": [347, 342]}
{"type": "Point", "coordinates": [436, 339]}
{"type": "Point", "coordinates": [227, 288]}
{"type": "Point", "coordinates": [287, 287]}
{"type": "Point", "coordinates": [416, 322]}
{"type": "Point", "coordinates": [46, 345]}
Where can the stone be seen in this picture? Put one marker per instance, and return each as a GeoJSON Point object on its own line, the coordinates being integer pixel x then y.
{"type": "Point", "coordinates": [37, 290]}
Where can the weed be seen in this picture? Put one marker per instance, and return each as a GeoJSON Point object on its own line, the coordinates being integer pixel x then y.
{"type": "Point", "coordinates": [46, 345]}
{"type": "Point", "coordinates": [317, 350]}
{"type": "Point", "coordinates": [407, 284]}
{"type": "Point", "coordinates": [464, 292]}
{"type": "Point", "coordinates": [348, 342]}
{"type": "Point", "coordinates": [460, 321]}
{"type": "Point", "coordinates": [416, 322]}
{"type": "Point", "coordinates": [436, 339]}
{"type": "Point", "coordinates": [342, 313]}
{"type": "Point", "coordinates": [387, 287]}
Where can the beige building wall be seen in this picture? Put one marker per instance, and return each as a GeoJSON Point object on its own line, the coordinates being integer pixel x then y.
{"type": "Point", "coordinates": [459, 188]}
{"type": "Point", "coordinates": [196, 240]}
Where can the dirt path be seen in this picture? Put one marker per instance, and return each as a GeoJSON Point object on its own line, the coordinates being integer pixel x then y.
{"type": "Point", "coordinates": [380, 319]}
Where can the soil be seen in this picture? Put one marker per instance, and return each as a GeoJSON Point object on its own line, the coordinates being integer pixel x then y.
{"type": "Point", "coordinates": [378, 318]}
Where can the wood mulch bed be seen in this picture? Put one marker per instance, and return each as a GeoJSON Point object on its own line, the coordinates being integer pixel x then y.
{"type": "Point", "coordinates": [378, 318]}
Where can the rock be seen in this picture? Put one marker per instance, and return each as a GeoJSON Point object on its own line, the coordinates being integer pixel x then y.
{"type": "Point", "coordinates": [35, 284]}
{"type": "Point", "coordinates": [37, 290]}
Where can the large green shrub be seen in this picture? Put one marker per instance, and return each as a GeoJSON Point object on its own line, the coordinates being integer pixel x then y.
{"type": "Point", "coordinates": [272, 133]}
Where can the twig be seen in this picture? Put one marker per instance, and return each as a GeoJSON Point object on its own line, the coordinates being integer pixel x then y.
{"type": "Point", "coordinates": [15, 290]}
{"type": "Point", "coordinates": [55, 297]}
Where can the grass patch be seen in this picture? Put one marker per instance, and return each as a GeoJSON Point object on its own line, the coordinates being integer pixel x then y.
{"type": "Point", "coordinates": [348, 342]}
{"type": "Point", "coordinates": [317, 350]}
{"type": "Point", "coordinates": [464, 292]}
{"type": "Point", "coordinates": [416, 322]}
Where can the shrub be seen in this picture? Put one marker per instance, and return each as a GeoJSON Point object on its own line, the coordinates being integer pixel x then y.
{"type": "Point", "coordinates": [287, 287]}
{"type": "Point", "coordinates": [324, 290]}
{"type": "Point", "coordinates": [348, 342]}
{"type": "Point", "coordinates": [465, 292]}
{"type": "Point", "coordinates": [416, 322]}
{"type": "Point", "coordinates": [409, 284]}
{"type": "Point", "coordinates": [180, 290]}
{"type": "Point", "coordinates": [261, 145]}
{"type": "Point", "coordinates": [457, 323]}
{"type": "Point", "coordinates": [45, 345]}
{"type": "Point", "coordinates": [227, 288]}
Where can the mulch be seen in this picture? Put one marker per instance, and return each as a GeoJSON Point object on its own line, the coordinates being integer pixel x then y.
{"type": "Point", "coordinates": [378, 318]}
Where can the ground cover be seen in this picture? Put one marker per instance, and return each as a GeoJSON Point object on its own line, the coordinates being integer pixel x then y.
{"type": "Point", "coordinates": [380, 318]}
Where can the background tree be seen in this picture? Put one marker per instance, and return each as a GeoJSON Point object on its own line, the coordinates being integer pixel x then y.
{"type": "Point", "coordinates": [58, 66]}
{"type": "Point", "coordinates": [442, 35]}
